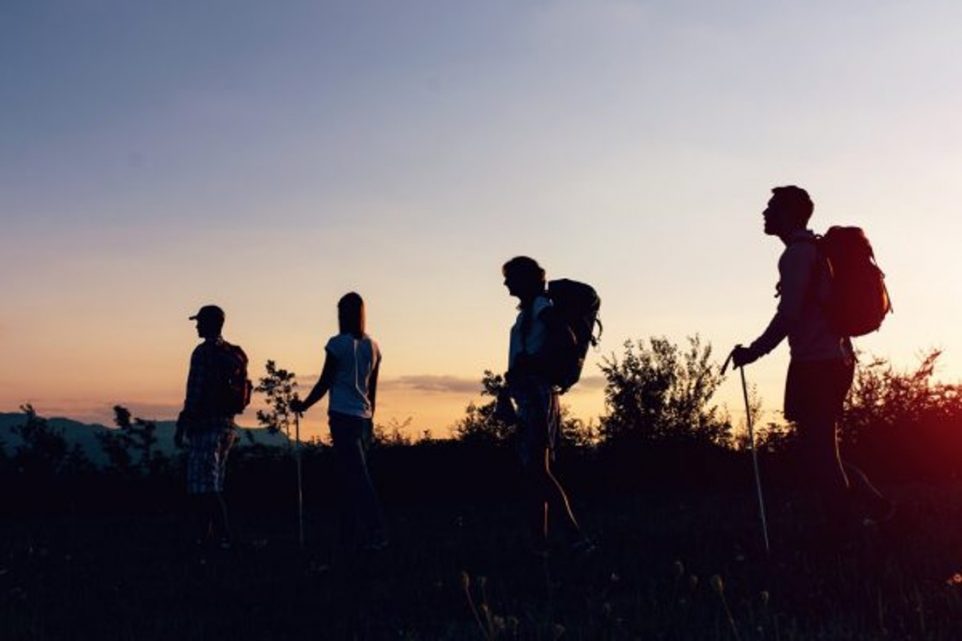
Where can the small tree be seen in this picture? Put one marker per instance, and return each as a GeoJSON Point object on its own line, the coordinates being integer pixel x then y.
{"type": "Point", "coordinates": [480, 422]}
{"type": "Point", "coordinates": [656, 391]}
{"type": "Point", "coordinates": [43, 450]}
{"type": "Point", "coordinates": [139, 434]}
{"type": "Point", "coordinates": [278, 385]}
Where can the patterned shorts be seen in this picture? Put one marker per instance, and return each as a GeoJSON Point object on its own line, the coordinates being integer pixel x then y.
{"type": "Point", "coordinates": [207, 460]}
{"type": "Point", "coordinates": [539, 420]}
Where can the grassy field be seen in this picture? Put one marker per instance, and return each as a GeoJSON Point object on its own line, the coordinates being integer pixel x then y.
{"type": "Point", "coordinates": [679, 567]}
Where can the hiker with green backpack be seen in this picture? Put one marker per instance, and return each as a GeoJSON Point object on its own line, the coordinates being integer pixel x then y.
{"type": "Point", "coordinates": [829, 290]}
{"type": "Point", "coordinates": [548, 342]}
{"type": "Point", "coordinates": [217, 390]}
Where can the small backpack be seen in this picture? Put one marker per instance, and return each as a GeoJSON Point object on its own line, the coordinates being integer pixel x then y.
{"type": "Point", "coordinates": [230, 388]}
{"type": "Point", "coordinates": [577, 304]}
{"type": "Point", "coordinates": [859, 300]}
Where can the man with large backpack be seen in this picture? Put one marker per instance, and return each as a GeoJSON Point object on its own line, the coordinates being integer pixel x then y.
{"type": "Point", "coordinates": [543, 360]}
{"type": "Point", "coordinates": [217, 390]}
{"type": "Point", "coordinates": [816, 293]}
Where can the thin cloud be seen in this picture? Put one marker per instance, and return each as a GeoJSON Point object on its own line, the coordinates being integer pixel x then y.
{"type": "Point", "coordinates": [449, 384]}
{"type": "Point", "coordinates": [589, 384]}
{"type": "Point", "coordinates": [439, 384]}
{"type": "Point", "coordinates": [306, 380]}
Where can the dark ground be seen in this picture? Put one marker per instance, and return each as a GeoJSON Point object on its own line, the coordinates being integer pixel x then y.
{"type": "Point", "coordinates": [112, 577]}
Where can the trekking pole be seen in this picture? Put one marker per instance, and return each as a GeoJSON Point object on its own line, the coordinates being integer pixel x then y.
{"type": "Point", "coordinates": [758, 475]}
{"type": "Point", "coordinates": [300, 492]}
{"type": "Point", "coordinates": [751, 447]}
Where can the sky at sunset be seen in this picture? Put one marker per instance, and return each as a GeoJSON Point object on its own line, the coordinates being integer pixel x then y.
{"type": "Point", "coordinates": [269, 157]}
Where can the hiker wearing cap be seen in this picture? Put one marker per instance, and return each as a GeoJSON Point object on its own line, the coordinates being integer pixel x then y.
{"type": "Point", "coordinates": [537, 334]}
{"type": "Point", "coordinates": [217, 390]}
{"type": "Point", "coordinates": [352, 361]}
{"type": "Point", "coordinates": [822, 365]}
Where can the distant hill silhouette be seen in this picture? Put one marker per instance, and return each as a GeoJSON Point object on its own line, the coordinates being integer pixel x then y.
{"type": "Point", "coordinates": [85, 435]}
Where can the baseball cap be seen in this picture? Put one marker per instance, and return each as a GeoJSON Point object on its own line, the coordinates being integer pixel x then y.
{"type": "Point", "coordinates": [211, 312]}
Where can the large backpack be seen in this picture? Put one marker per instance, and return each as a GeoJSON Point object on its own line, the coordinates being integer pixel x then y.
{"type": "Point", "coordinates": [577, 304]}
{"type": "Point", "coordinates": [229, 388]}
{"type": "Point", "coordinates": [859, 300]}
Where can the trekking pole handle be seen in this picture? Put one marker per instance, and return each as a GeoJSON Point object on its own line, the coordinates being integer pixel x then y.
{"type": "Point", "coordinates": [726, 363]}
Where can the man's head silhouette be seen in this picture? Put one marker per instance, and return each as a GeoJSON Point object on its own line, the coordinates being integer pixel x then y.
{"type": "Point", "coordinates": [210, 321]}
{"type": "Point", "coordinates": [788, 211]}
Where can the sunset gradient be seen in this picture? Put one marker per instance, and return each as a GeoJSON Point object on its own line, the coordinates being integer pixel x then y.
{"type": "Point", "coordinates": [270, 158]}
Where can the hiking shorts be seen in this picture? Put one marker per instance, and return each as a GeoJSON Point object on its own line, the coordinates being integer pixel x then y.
{"type": "Point", "coordinates": [207, 460]}
{"type": "Point", "coordinates": [817, 389]}
{"type": "Point", "coordinates": [539, 419]}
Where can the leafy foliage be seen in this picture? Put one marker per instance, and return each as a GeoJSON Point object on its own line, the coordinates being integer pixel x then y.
{"type": "Point", "coordinates": [657, 392]}
{"type": "Point", "coordinates": [278, 385]}
{"type": "Point", "coordinates": [394, 433]}
{"type": "Point", "coordinates": [43, 450]}
{"type": "Point", "coordinates": [134, 435]}
{"type": "Point", "coordinates": [904, 422]}
{"type": "Point", "coordinates": [481, 422]}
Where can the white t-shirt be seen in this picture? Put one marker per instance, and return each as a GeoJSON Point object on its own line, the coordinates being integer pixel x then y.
{"type": "Point", "coordinates": [355, 359]}
{"type": "Point", "coordinates": [536, 335]}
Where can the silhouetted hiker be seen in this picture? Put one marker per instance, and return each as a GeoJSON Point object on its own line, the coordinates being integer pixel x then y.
{"type": "Point", "coordinates": [351, 365]}
{"type": "Point", "coordinates": [822, 362]}
{"type": "Point", "coordinates": [217, 390]}
{"type": "Point", "coordinates": [537, 334]}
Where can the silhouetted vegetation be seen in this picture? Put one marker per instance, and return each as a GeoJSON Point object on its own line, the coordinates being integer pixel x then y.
{"type": "Point", "coordinates": [278, 387]}
{"type": "Point", "coordinates": [904, 424]}
{"type": "Point", "coordinates": [661, 429]}
{"type": "Point", "coordinates": [659, 392]}
{"type": "Point", "coordinates": [662, 478]}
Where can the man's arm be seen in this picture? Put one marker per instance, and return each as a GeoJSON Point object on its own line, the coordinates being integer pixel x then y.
{"type": "Point", "coordinates": [795, 270]}
{"type": "Point", "coordinates": [196, 379]}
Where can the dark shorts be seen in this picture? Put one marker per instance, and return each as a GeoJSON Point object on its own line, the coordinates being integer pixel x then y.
{"type": "Point", "coordinates": [347, 429]}
{"type": "Point", "coordinates": [817, 389]}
